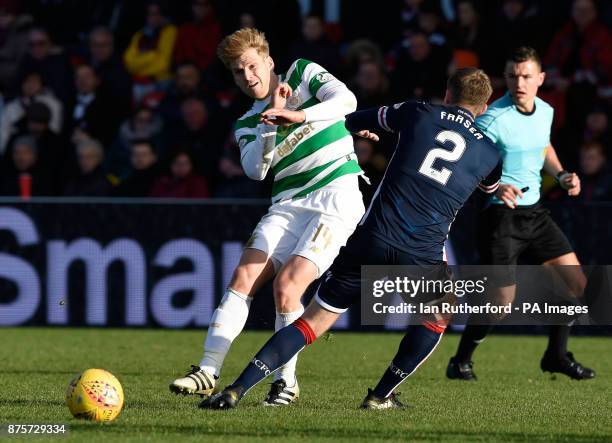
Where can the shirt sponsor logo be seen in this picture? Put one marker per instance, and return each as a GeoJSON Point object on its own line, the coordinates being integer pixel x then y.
{"type": "Point", "coordinates": [290, 142]}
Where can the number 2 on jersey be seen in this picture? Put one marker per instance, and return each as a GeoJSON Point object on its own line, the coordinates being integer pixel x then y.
{"type": "Point", "coordinates": [442, 175]}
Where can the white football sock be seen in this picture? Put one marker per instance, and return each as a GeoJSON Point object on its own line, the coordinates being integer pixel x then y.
{"type": "Point", "coordinates": [287, 372]}
{"type": "Point", "coordinates": [226, 323]}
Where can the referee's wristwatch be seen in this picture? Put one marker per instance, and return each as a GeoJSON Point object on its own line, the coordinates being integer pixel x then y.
{"type": "Point", "coordinates": [560, 175]}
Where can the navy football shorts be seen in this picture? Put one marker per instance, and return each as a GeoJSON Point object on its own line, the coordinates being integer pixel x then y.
{"type": "Point", "coordinates": [341, 285]}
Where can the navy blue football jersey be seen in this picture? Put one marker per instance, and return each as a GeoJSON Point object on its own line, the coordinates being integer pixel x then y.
{"type": "Point", "coordinates": [441, 157]}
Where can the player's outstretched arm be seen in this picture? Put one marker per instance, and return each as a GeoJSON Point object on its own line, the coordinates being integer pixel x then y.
{"type": "Point", "coordinates": [567, 180]}
{"type": "Point", "coordinates": [256, 149]}
{"type": "Point", "coordinates": [388, 118]}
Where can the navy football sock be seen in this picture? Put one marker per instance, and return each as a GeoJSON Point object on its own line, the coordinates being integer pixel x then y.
{"type": "Point", "coordinates": [414, 349]}
{"type": "Point", "coordinates": [281, 347]}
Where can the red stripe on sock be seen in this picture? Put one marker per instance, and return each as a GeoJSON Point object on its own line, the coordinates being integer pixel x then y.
{"type": "Point", "coordinates": [305, 329]}
{"type": "Point", "coordinates": [438, 328]}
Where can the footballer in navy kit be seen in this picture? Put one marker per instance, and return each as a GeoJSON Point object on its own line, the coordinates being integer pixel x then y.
{"type": "Point", "coordinates": [440, 159]}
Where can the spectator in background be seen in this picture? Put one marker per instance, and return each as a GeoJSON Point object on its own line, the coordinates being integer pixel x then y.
{"type": "Point", "coordinates": [419, 74]}
{"type": "Point", "coordinates": [51, 62]}
{"type": "Point", "coordinates": [25, 177]}
{"type": "Point", "coordinates": [409, 15]}
{"type": "Point", "coordinates": [182, 182]}
{"type": "Point", "coordinates": [93, 114]}
{"type": "Point", "coordinates": [371, 86]}
{"type": "Point", "coordinates": [50, 147]}
{"type": "Point", "coordinates": [314, 45]}
{"type": "Point", "coordinates": [142, 125]}
{"type": "Point", "coordinates": [14, 29]}
{"type": "Point", "coordinates": [513, 28]}
{"type": "Point", "coordinates": [199, 136]}
{"type": "Point", "coordinates": [596, 176]}
{"type": "Point", "coordinates": [148, 58]}
{"type": "Point", "coordinates": [246, 20]}
{"type": "Point", "coordinates": [145, 171]}
{"type": "Point", "coordinates": [91, 179]}
{"type": "Point", "coordinates": [115, 82]}
{"type": "Point", "coordinates": [594, 128]}
{"type": "Point", "coordinates": [66, 20]}
{"type": "Point", "coordinates": [598, 125]}
{"type": "Point", "coordinates": [198, 40]}
{"type": "Point", "coordinates": [580, 56]}
{"type": "Point", "coordinates": [471, 41]}
{"type": "Point", "coordinates": [431, 24]}
{"type": "Point", "coordinates": [186, 83]}
{"type": "Point", "coordinates": [359, 52]}
{"type": "Point", "coordinates": [13, 118]}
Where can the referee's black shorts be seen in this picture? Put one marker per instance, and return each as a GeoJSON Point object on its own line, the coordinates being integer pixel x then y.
{"type": "Point", "coordinates": [504, 234]}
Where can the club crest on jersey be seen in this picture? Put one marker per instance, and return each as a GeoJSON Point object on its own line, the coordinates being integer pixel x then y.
{"type": "Point", "coordinates": [294, 100]}
{"type": "Point", "coordinates": [324, 77]}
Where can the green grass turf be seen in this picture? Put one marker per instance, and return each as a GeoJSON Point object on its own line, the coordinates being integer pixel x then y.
{"type": "Point", "coordinates": [512, 401]}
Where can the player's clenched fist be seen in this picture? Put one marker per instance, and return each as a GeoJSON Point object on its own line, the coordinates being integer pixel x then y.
{"type": "Point", "coordinates": [571, 183]}
{"type": "Point", "coordinates": [508, 194]}
{"type": "Point", "coordinates": [280, 95]}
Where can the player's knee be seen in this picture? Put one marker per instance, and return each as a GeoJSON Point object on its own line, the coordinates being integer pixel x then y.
{"type": "Point", "coordinates": [286, 294]}
{"type": "Point", "coordinates": [577, 286]}
{"type": "Point", "coordinates": [493, 319]}
{"type": "Point", "coordinates": [243, 279]}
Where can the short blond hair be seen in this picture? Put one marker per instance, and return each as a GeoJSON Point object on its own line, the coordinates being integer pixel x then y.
{"type": "Point", "coordinates": [235, 44]}
{"type": "Point", "coordinates": [470, 86]}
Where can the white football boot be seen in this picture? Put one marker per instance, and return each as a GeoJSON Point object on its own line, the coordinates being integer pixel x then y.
{"type": "Point", "coordinates": [281, 395]}
{"type": "Point", "coordinates": [195, 382]}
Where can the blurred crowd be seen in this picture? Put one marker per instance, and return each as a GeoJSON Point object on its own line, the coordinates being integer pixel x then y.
{"type": "Point", "coordinates": [127, 98]}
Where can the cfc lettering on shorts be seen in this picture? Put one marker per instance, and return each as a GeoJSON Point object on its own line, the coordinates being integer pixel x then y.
{"type": "Point", "coordinates": [290, 142]}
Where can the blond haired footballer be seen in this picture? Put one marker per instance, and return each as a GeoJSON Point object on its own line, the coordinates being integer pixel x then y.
{"type": "Point", "coordinates": [294, 131]}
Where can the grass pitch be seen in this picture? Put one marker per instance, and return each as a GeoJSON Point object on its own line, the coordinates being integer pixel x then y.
{"type": "Point", "coordinates": [512, 401]}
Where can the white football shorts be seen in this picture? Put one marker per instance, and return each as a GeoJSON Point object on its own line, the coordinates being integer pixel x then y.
{"type": "Point", "coordinates": [314, 227]}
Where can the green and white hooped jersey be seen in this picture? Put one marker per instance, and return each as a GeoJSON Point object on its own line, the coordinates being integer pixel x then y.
{"type": "Point", "coordinates": [307, 156]}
